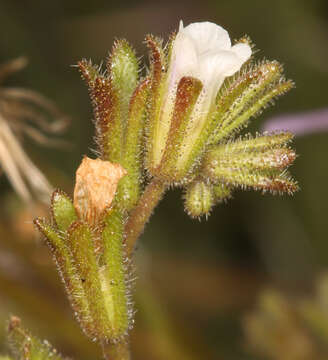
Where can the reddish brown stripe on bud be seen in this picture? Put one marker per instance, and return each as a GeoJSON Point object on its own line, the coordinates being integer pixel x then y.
{"type": "Point", "coordinates": [155, 59]}
{"type": "Point", "coordinates": [187, 94]}
{"type": "Point", "coordinates": [88, 71]}
{"type": "Point", "coordinates": [139, 90]}
{"type": "Point", "coordinates": [103, 101]}
{"type": "Point", "coordinates": [280, 158]}
{"type": "Point", "coordinates": [279, 185]}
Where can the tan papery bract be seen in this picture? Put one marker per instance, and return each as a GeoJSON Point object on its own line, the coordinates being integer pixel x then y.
{"type": "Point", "coordinates": [95, 187]}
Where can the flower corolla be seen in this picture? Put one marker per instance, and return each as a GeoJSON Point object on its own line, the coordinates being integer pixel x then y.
{"type": "Point", "coordinates": [203, 51]}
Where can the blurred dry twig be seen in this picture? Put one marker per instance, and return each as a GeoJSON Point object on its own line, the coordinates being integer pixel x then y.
{"type": "Point", "coordinates": [24, 112]}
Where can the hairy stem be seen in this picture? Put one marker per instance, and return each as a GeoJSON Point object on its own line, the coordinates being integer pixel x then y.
{"type": "Point", "coordinates": [142, 212]}
{"type": "Point", "coordinates": [119, 351]}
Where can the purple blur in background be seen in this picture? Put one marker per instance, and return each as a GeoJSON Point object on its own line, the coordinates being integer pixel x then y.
{"type": "Point", "coordinates": [299, 123]}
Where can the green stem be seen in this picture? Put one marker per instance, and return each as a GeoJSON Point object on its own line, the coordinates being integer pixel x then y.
{"type": "Point", "coordinates": [142, 212]}
{"type": "Point", "coordinates": [119, 351]}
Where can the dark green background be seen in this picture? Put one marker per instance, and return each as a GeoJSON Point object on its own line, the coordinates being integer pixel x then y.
{"type": "Point", "coordinates": [267, 239]}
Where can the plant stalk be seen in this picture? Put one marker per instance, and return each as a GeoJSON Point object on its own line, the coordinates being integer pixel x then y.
{"type": "Point", "coordinates": [141, 213]}
{"type": "Point", "coordinates": [118, 351]}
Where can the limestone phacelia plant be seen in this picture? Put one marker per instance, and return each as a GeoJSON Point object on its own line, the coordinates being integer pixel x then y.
{"type": "Point", "coordinates": [175, 125]}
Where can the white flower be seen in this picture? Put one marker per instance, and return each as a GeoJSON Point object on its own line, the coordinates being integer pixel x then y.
{"type": "Point", "coordinates": [202, 50]}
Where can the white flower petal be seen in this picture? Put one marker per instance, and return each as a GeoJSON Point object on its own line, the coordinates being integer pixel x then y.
{"type": "Point", "coordinates": [207, 36]}
{"type": "Point", "coordinates": [201, 50]}
{"type": "Point", "coordinates": [184, 58]}
{"type": "Point", "coordinates": [243, 51]}
{"type": "Point", "coordinates": [180, 25]}
{"type": "Point", "coordinates": [184, 62]}
{"type": "Point", "coordinates": [217, 65]}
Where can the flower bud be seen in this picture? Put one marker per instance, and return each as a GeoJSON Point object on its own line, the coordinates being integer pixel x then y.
{"type": "Point", "coordinates": [199, 199]}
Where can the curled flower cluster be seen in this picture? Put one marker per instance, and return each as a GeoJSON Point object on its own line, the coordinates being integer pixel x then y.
{"type": "Point", "coordinates": [207, 93]}
{"type": "Point", "coordinates": [176, 126]}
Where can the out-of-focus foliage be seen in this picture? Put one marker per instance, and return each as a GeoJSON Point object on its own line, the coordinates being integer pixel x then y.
{"type": "Point", "coordinates": [205, 275]}
{"type": "Point", "coordinates": [25, 346]}
{"type": "Point", "coordinates": [290, 328]}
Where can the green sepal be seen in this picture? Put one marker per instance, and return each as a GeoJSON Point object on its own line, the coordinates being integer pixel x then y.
{"type": "Point", "coordinates": [221, 192]}
{"type": "Point", "coordinates": [199, 198]}
{"type": "Point", "coordinates": [259, 142]}
{"type": "Point", "coordinates": [187, 94]}
{"type": "Point", "coordinates": [113, 275]}
{"type": "Point", "coordinates": [25, 346]}
{"type": "Point", "coordinates": [81, 243]}
{"type": "Point", "coordinates": [122, 67]}
{"type": "Point", "coordinates": [107, 112]}
{"type": "Point", "coordinates": [258, 163]}
{"type": "Point", "coordinates": [200, 136]}
{"type": "Point", "coordinates": [248, 159]}
{"type": "Point", "coordinates": [268, 180]}
{"type": "Point", "coordinates": [89, 72]}
{"type": "Point", "coordinates": [169, 48]}
{"type": "Point", "coordinates": [69, 274]}
{"type": "Point", "coordinates": [109, 127]}
{"type": "Point", "coordinates": [129, 188]}
{"type": "Point", "coordinates": [63, 210]}
{"type": "Point", "coordinates": [247, 97]}
{"type": "Point", "coordinates": [158, 89]}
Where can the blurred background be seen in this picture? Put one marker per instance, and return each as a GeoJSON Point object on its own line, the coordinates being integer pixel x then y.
{"type": "Point", "coordinates": [242, 285]}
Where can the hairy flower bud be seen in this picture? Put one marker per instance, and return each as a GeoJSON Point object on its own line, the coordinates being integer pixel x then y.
{"type": "Point", "coordinates": [199, 199]}
{"type": "Point", "coordinates": [87, 243]}
{"type": "Point", "coordinates": [95, 187]}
